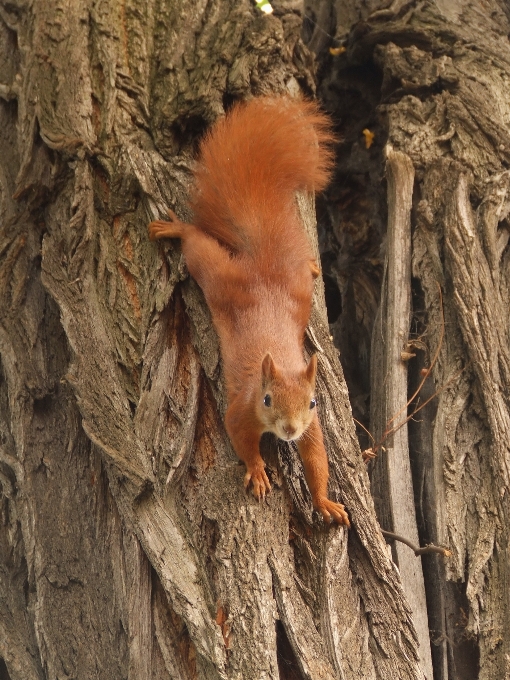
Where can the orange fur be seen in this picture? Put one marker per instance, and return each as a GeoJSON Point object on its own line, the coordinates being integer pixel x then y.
{"type": "Point", "coordinates": [250, 255]}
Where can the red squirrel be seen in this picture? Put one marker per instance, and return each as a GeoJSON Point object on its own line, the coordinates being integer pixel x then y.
{"type": "Point", "coordinates": [249, 253]}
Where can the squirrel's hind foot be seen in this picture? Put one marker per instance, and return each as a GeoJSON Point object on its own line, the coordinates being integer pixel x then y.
{"type": "Point", "coordinates": [161, 229]}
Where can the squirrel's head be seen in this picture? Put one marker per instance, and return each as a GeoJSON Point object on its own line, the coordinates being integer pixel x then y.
{"type": "Point", "coordinates": [287, 402]}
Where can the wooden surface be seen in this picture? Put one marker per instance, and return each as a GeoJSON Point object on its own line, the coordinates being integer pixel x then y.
{"type": "Point", "coordinates": [129, 547]}
{"type": "Point", "coordinates": [391, 479]}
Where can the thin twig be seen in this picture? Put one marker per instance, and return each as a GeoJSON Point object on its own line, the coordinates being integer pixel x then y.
{"type": "Point", "coordinates": [364, 428]}
{"type": "Point", "coordinates": [419, 408]}
{"type": "Point", "coordinates": [387, 431]}
{"type": "Point", "coordinates": [430, 548]}
{"type": "Point", "coordinates": [368, 454]}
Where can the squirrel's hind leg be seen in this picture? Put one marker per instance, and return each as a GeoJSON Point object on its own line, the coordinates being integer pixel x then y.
{"type": "Point", "coordinates": [208, 262]}
{"type": "Point", "coordinates": [206, 259]}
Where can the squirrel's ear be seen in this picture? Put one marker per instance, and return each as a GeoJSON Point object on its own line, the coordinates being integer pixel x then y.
{"type": "Point", "coordinates": [268, 369]}
{"type": "Point", "coordinates": [311, 369]}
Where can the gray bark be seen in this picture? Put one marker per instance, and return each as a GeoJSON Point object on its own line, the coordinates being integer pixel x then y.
{"type": "Point", "coordinates": [392, 484]}
{"type": "Point", "coordinates": [431, 80]}
{"type": "Point", "coordinates": [128, 545]}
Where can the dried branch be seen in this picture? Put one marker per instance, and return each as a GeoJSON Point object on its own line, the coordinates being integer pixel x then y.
{"type": "Point", "coordinates": [392, 430]}
{"type": "Point", "coordinates": [429, 548]}
{"type": "Point", "coordinates": [370, 453]}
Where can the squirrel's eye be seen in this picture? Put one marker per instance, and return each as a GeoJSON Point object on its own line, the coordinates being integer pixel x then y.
{"type": "Point", "coordinates": [267, 400]}
{"type": "Point", "coordinates": [312, 404]}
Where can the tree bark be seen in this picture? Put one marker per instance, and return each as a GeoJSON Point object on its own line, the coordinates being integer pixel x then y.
{"type": "Point", "coordinates": [430, 80]}
{"type": "Point", "coordinates": [128, 545]}
{"type": "Point", "coordinates": [392, 484]}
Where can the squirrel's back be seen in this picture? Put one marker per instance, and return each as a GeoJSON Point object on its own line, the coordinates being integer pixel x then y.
{"type": "Point", "coordinates": [251, 163]}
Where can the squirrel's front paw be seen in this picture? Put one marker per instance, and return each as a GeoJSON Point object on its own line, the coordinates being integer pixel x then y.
{"type": "Point", "coordinates": [332, 511]}
{"type": "Point", "coordinates": [257, 476]}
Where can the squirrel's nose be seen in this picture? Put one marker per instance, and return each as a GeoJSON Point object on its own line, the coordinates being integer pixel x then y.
{"type": "Point", "coordinates": [289, 430]}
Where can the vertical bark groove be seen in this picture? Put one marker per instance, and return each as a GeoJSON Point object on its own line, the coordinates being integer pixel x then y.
{"type": "Point", "coordinates": [412, 76]}
{"type": "Point", "coordinates": [389, 394]}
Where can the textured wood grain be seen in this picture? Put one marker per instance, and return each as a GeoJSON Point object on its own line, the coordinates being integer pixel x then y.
{"type": "Point", "coordinates": [431, 79]}
{"type": "Point", "coordinates": [129, 547]}
{"type": "Point", "coordinates": [392, 483]}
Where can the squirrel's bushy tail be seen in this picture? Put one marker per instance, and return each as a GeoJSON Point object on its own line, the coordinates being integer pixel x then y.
{"type": "Point", "coordinates": [251, 163]}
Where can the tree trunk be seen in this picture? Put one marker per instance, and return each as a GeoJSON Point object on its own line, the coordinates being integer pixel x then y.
{"type": "Point", "coordinates": [430, 81]}
{"type": "Point", "coordinates": [128, 547]}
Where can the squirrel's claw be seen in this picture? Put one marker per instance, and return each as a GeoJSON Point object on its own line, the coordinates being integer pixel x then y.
{"type": "Point", "coordinates": [332, 511]}
{"type": "Point", "coordinates": [157, 229]}
{"type": "Point", "coordinates": [161, 229]}
{"type": "Point", "coordinates": [260, 482]}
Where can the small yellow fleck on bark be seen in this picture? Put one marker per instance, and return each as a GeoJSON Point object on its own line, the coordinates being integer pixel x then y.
{"type": "Point", "coordinates": [369, 137]}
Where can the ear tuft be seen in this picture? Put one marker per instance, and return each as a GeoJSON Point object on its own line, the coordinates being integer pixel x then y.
{"type": "Point", "coordinates": [268, 369]}
{"type": "Point", "coordinates": [311, 369]}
